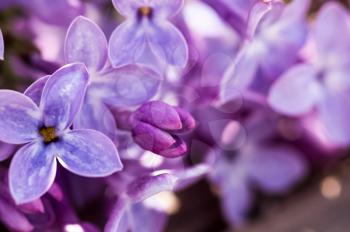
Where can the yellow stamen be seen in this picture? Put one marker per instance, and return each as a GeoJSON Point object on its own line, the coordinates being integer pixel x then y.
{"type": "Point", "coordinates": [145, 11]}
{"type": "Point", "coordinates": [48, 133]}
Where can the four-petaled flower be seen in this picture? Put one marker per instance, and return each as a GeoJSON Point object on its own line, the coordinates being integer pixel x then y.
{"type": "Point", "coordinates": [46, 131]}
{"type": "Point", "coordinates": [108, 87]}
{"type": "Point", "coordinates": [147, 27]}
{"type": "Point", "coordinates": [322, 86]}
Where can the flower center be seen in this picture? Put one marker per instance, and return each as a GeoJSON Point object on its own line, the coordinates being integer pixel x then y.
{"type": "Point", "coordinates": [145, 11]}
{"type": "Point", "coordinates": [48, 134]}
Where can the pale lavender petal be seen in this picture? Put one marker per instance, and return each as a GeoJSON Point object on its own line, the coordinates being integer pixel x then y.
{"type": "Point", "coordinates": [127, 86]}
{"type": "Point", "coordinates": [35, 90]}
{"type": "Point", "coordinates": [333, 19]}
{"type": "Point", "coordinates": [19, 118]}
{"type": "Point", "coordinates": [63, 95]}
{"type": "Point", "coordinates": [276, 169]}
{"type": "Point", "coordinates": [128, 8]}
{"type": "Point", "coordinates": [147, 186]}
{"type": "Point", "coordinates": [296, 92]}
{"type": "Point", "coordinates": [32, 172]}
{"type": "Point", "coordinates": [147, 219]}
{"type": "Point", "coordinates": [126, 44]}
{"type": "Point", "coordinates": [334, 115]}
{"type": "Point", "coordinates": [166, 8]}
{"type": "Point", "coordinates": [95, 115]}
{"type": "Point", "coordinates": [13, 218]}
{"type": "Point", "coordinates": [236, 202]}
{"type": "Point", "coordinates": [6, 150]}
{"type": "Point", "coordinates": [117, 221]}
{"type": "Point", "coordinates": [240, 74]}
{"type": "Point", "coordinates": [168, 44]}
{"type": "Point", "coordinates": [86, 43]}
{"type": "Point", "coordinates": [88, 153]}
{"type": "Point", "coordinates": [1, 46]}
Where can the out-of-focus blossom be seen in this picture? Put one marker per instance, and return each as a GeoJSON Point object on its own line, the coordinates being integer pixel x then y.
{"type": "Point", "coordinates": [274, 168]}
{"type": "Point", "coordinates": [275, 34]}
{"type": "Point", "coordinates": [147, 26]}
{"type": "Point", "coordinates": [156, 126]}
{"type": "Point", "coordinates": [234, 12]}
{"type": "Point", "coordinates": [322, 86]}
{"type": "Point", "coordinates": [135, 186]}
{"type": "Point", "coordinates": [45, 131]}
{"type": "Point", "coordinates": [1, 46]}
{"type": "Point", "coordinates": [54, 12]}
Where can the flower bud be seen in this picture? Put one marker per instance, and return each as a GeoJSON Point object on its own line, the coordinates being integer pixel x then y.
{"type": "Point", "coordinates": [155, 126]}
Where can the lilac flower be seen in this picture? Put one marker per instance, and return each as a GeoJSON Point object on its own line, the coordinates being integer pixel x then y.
{"type": "Point", "coordinates": [45, 131]}
{"type": "Point", "coordinates": [274, 168]}
{"type": "Point", "coordinates": [322, 86]}
{"type": "Point", "coordinates": [156, 125]}
{"type": "Point", "coordinates": [108, 87]}
{"type": "Point", "coordinates": [275, 34]}
{"type": "Point", "coordinates": [147, 27]}
{"type": "Point", "coordinates": [1, 46]}
{"type": "Point", "coordinates": [135, 186]}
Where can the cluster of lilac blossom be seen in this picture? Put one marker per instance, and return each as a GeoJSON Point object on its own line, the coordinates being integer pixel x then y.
{"type": "Point", "coordinates": [244, 93]}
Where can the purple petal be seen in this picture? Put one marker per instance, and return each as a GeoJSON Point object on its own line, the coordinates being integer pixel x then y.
{"type": "Point", "coordinates": [167, 42]}
{"type": "Point", "coordinates": [276, 169]}
{"type": "Point", "coordinates": [147, 186]}
{"type": "Point", "coordinates": [19, 118]}
{"type": "Point", "coordinates": [95, 115]}
{"type": "Point", "coordinates": [166, 8]}
{"type": "Point", "coordinates": [88, 153]}
{"type": "Point", "coordinates": [296, 92]}
{"type": "Point", "coordinates": [35, 90]}
{"type": "Point", "coordinates": [236, 202]}
{"type": "Point", "coordinates": [126, 44]}
{"type": "Point", "coordinates": [127, 86]}
{"type": "Point", "coordinates": [86, 43]}
{"type": "Point", "coordinates": [147, 219]}
{"type": "Point", "coordinates": [128, 8]}
{"type": "Point", "coordinates": [13, 218]}
{"type": "Point", "coordinates": [117, 222]}
{"type": "Point", "coordinates": [1, 46]}
{"type": "Point", "coordinates": [240, 74]}
{"type": "Point", "coordinates": [32, 172]}
{"type": "Point", "coordinates": [334, 115]}
{"type": "Point", "coordinates": [63, 95]}
{"type": "Point", "coordinates": [333, 19]}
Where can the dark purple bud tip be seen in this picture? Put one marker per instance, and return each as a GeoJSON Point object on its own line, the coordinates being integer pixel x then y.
{"type": "Point", "coordinates": [155, 124]}
{"type": "Point", "coordinates": [164, 116]}
{"type": "Point", "coordinates": [158, 141]}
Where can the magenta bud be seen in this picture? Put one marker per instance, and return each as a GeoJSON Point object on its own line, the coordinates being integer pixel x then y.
{"type": "Point", "coordinates": [33, 207]}
{"type": "Point", "coordinates": [155, 125]}
{"type": "Point", "coordinates": [158, 114]}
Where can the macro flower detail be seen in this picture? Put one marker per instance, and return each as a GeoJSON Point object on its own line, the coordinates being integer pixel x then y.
{"type": "Point", "coordinates": [267, 29]}
{"type": "Point", "coordinates": [108, 87]}
{"type": "Point", "coordinates": [147, 26]}
{"type": "Point", "coordinates": [45, 131]}
{"type": "Point", "coordinates": [322, 85]}
{"type": "Point", "coordinates": [156, 127]}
